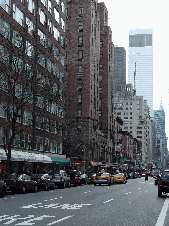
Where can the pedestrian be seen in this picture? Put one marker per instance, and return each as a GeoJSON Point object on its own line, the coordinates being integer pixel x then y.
{"type": "Point", "coordinates": [146, 177]}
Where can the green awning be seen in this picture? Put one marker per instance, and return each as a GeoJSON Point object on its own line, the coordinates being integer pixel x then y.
{"type": "Point", "coordinates": [60, 160]}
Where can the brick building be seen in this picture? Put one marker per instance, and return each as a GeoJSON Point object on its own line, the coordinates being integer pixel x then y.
{"type": "Point", "coordinates": [89, 81]}
{"type": "Point", "coordinates": [32, 55]}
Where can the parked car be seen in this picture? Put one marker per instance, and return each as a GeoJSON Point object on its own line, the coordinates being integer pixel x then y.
{"type": "Point", "coordinates": [74, 177]}
{"type": "Point", "coordinates": [44, 181]}
{"type": "Point", "coordinates": [120, 178]}
{"type": "Point", "coordinates": [103, 178]}
{"type": "Point", "coordinates": [84, 179]}
{"type": "Point", "coordinates": [163, 183]}
{"type": "Point", "coordinates": [2, 188]}
{"type": "Point", "coordinates": [20, 183]}
{"type": "Point", "coordinates": [61, 179]}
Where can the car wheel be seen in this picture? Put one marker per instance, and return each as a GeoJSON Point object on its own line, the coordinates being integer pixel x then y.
{"type": "Point", "coordinates": [94, 184]}
{"type": "Point", "coordinates": [46, 187]}
{"type": "Point", "coordinates": [68, 184]}
{"type": "Point", "coordinates": [109, 184]}
{"type": "Point", "coordinates": [159, 192]}
{"type": "Point", "coordinates": [23, 190]}
{"type": "Point", "coordinates": [63, 185]}
{"type": "Point", "coordinates": [2, 192]}
{"type": "Point", "coordinates": [36, 188]}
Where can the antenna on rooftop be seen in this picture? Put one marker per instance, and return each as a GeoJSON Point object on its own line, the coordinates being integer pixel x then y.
{"type": "Point", "coordinates": [134, 90]}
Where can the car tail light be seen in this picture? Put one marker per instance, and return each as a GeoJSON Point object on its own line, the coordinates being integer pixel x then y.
{"type": "Point", "coordinates": [121, 178]}
{"type": "Point", "coordinates": [155, 178]}
{"type": "Point", "coordinates": [160, 182]}
{"type": "Point", "coordinates": [94, 178]}
{"type": "Point", "coordinates": [106, 178]}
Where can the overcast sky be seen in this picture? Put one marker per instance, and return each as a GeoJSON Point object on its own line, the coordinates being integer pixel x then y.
{"type": "Point", "coordinates": [131, 14]}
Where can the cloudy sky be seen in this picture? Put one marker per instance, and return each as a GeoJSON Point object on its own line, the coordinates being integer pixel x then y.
{"type": "Point", "coordinates": [131, 14]}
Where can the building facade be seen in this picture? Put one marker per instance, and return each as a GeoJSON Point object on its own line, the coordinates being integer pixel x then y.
{"type": "Point", "coordinates": [32, 68]}
{"type": "Point", "coordinates": [140, 54]}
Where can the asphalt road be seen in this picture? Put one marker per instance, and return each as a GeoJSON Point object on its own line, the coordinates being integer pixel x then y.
{"type": "Point", "coordinates": [132, 204]}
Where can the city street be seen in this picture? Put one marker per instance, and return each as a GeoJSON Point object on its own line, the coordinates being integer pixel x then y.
{"type": "Point", "coordinates": [135, 203]}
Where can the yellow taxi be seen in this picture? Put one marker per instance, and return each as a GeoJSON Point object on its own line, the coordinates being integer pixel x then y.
{"type": "Point", "coordinates": [120, 178]}
{"type": "Point", "coordinates": [103, 178]}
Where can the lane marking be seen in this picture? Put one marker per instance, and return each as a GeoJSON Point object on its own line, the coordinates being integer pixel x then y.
{"type": "Point", "coordinates": [34, 219]}
{"type": "Point", "coordinates": [62, 219]}
{"type": "Point", "coordinates": [163, 213]}
{"type": "Point", "coordinates": [108, 201]}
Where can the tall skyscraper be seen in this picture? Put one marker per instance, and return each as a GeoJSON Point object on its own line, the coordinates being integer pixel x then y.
{"type": "Point", "coordinates": [141, 59]}
{"type": "Point", "coordinates": [119, 75]}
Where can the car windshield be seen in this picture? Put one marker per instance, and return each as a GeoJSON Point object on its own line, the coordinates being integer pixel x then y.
{"type": "Point", "coordinates": [166, 174]}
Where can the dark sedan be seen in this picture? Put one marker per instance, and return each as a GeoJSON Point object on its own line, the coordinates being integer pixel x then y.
{"type": "Point", "coordinates": [163, 183]}
{"type": "Point", "coordinates": [20, 183]}
{"type": "Point", "coordinates": [2, 188]}
{"type": "Point", "coordinates": [44, 181]}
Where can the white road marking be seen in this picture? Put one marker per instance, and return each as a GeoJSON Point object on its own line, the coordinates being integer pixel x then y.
{"type": "Point", "coordinates": [126, 193]}
{"type": "Point", "coordinates": [34, 219]}
{"type": "Point", "coordinates": [15, 218]}
{"type": "Point", "coordinates": [130, 192]}
{"type": "Point", "coordinates": [62, 219]}
{"type": "Point", "coordinates": [108, 201]}
{"type": "Point", "coordinates": [162, 215]}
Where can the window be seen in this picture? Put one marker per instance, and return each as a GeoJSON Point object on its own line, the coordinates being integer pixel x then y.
{"type": "Point", "coordinates": [17, 64]}
{"type": "Point", "coordinates": [101, 44]}
{"type": "Point", "coordinates": [3, 110]}
{"type": "Point", "coordinates": [43, 18]}
{"type": "Point", "coordinates": [31, 6]}
{"type": "Point", "coordinates": [56, 34]}
{"type": "Point", "coordinates": [17, 39]}
{"type": "Point", "coordinates": [79, 113]}
{"type": "Point", "coordinates": [55, 69]}
{"type": "Point", "coordinates": [101, 67]}
{"type": "Point", "coordinates": [28, 71]}
{"type": "Point", "coordinates": [80, 11]}
{"type": "Point", "coordinates": [30, 26]}
{"type": "Point", "coordinates": [62, 58]}
{"type": "Point", "coordinates": [53, 127]}
{"type": "Point", "coordinates": [28, 95]}
{"type": "Point", "coordinates": [18, 15]}
{"type": "Point", "coordinates": [101, 55]}
{"type": "Point", "coordinates": [62, 23]}
{"type": "Point", "coordinates": [27, 118]}
{"type": "Point", "coordinates": [100, 78]}
{"type": "Point", "coordinates": [42, 38]}
{"type": "Point", "coordinates": [80, 54]}
{"type": "Point", "coordinates": [40, 79]}
{"type": "Point", "coordinates": [80, 40]}
{"type": "Point", "coordinates": [100, 113]}
{"type": "Point", "coordinates": [41, 60]}
{"type": "Point", "coordinates": [47, 124]}
{"type": "Point", "coordinates": [6, 5]}
{"type": "Point", "coordinates": [29, 49]}
{"type": "Point", "coordinates": [56, 13]}
{"type": "Point", "coordinates": [100, 102]}
{"type": "Point", "coordinates": [50, 27]}
{"type": "Point", "coordinates": [39, 143]}
{"type": "Point", "coordinates": [4, 28]}
{"type": "Point", "coordinates": [100, 90]}
{"type": "Point", "coordinates": [49, 65]}
{"type": "Point", "coordinates": [3, 83]}
{"type": "Point", "coordinates": [80, 84]}
{"type": "Point", "coordinates": [46, 145]}
{"type": "Point", "coordinates": [40, 101]}
{"type": "Point", "coordinates": [50, 6]}
{"type": "Point", "coordinates": [60, 148]}
{"type": "Point", "coordinates": [55, 52]}
{"type": "Point", "coordinates": [62, 41]}
{"type": "Point", "coordinates": [39, 122]}
{"type": "Point", "coordinates": [2, 136]}
{"type": "Point", "coordinates": [80, 26]}
{"type": "Point", "coordinates": [79, 100]}
{"type": "Point", "coordinates": [100, 125]}
{"type": "Point", "coordinates": [55, 89]}
{"type": "Point", "coordinates": [18, 90]}
{"type": "Point", "coordinates": [53, 146]}
{"type": "Point", "coordinates": [80, 69]}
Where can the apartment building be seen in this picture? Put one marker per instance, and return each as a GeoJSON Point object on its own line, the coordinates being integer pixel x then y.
{"type": "Point", "coordinates": [88, 82]}
{"type": "Point", "coordinates": [32, 67]}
